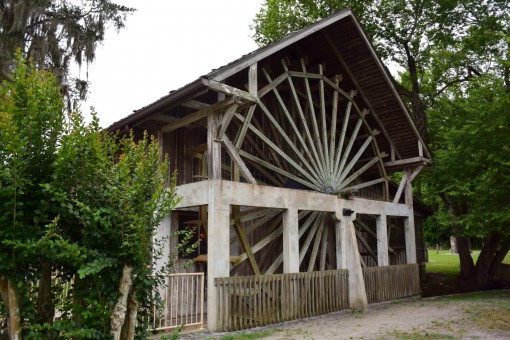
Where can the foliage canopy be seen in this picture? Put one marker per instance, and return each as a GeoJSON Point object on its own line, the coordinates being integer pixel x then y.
{"type": "Point", "coordinates": [79, 209]}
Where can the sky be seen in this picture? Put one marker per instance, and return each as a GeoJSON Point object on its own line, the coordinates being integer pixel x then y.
{"type": "Point", "coordinates": [165, 45]}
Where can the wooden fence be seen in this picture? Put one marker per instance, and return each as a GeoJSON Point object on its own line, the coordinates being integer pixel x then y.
{"type": "Point", "coordinates": [250, 301]}
{"type": "Point", "coordinates": [183, 303]}
{"type": "Point", "coordinates": [391, 282]}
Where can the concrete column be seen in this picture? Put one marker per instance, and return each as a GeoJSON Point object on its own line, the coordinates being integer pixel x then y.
{"type": "Point", "coordinates": [290, 241]}
{"type": "Point", "coordinates": [218, 250]}
{"type": "Point", "coordinates": [348, 256]}
{"type": "Point", "coordinates": [382, 241]}
{"type": "Point", "coordinates": [410, 239]}
{"type": "Point", "coordinates": [341, 240]}
{"type": "Point", "coordinates": [162, 239]}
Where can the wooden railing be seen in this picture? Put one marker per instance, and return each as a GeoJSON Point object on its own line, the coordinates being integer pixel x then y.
{"type": "Point", "coordinates": [249, 301]}
{"type": "Point", "coordinates": [183, 303]}
{"type": "Point", "coordinates": [391, 282]}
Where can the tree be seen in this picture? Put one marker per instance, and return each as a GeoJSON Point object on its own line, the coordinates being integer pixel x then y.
{"type": "Point", "coordinates": [53, 33]}
{"type": "Point", "coordinates": [31, 126]}
{"type": "Point", "coordinates": [79, 209]}
{"type": "Point", "coordinates": [471, 174]}
{"type": "Point", "coordinates": [440, 48]}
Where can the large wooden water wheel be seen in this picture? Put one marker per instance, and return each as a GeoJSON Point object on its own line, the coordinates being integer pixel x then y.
{"type": "Point", "coordinates": [306, 132]}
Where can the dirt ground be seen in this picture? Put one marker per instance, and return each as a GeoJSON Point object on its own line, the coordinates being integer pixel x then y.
{"type": "Point", "coordinates": [483, 315]}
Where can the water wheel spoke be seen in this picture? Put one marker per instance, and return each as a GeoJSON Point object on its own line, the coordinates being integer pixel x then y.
{"type": "Point", "coordinates": [316, 170]}
{"type": "Point", "coordinates": [303, 120]}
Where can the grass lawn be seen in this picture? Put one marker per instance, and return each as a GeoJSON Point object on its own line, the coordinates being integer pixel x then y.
{"type": "Point", "coordinates": [443, 261]}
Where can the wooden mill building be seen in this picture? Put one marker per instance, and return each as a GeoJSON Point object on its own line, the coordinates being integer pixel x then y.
{"type": "Point", "coordinates": [283, 159]}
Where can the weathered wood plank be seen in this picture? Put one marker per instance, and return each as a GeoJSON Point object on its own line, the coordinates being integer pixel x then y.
{"type": "Point", "coordinates": [238, 160]}
{"type": "Point", "coordinates": [230, 90]}
{"type": "Point", "coordinates": [227, 117]}
{"type": "Point", "coordinates": [244, 240]}
{"type": "Point", "coordinates": [261, 300]}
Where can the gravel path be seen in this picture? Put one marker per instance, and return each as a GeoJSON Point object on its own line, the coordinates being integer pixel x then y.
{"type": "Point", "coordinates": [483, 315]}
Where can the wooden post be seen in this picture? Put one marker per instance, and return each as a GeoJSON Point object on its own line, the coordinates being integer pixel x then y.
{"type": "Point", "coordinates": [218, 250]}
{"type": "Point", "coordinates": [382, 241]}
{"type": "Point", "coordinates": [290, 241]}
{"type": "Point", "coordinates": [213, 144]}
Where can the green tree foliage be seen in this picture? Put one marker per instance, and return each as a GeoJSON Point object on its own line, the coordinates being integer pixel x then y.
{"type": "Point", "coordinates": [453, 61]}
{"type": "Point", "coordinates": [79, 209]}
{"type": "Point", "coordinates": [424, 38]}
{"type": "Point", "coordinates": [53, 33]}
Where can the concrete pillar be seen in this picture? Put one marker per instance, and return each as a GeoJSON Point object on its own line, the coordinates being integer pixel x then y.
{"type": "Point", "coordinates": [410, 239]}
{"type": "Point", "coordinates": [218, 250]}
{"type": "Point", "coordinates": [382, 241]}
{"type": "Point", "coordinates": [349, 256]}
{"type": "Point", "coordinates": [341, 240]}
{"type": "Point", "coordinates": [162, 239]}
{"type": "Point", "coordinates": [290, 241]}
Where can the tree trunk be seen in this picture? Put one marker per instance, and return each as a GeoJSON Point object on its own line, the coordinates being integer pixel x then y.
{"type": "Point", "coordinates": [45, 305]}
{"type": "Point", "coordinates": [129, 329]}
{"type": "Point", "coordinates": [492, 254]}
{"type": "Point", "coordinates": [467, 265]}
{"type": "Point", "coordinates": [10, 299]}
{"type": "Point", "coordinates": [118, 317]}
{"type": "Point", "coordinates": [418, 106]}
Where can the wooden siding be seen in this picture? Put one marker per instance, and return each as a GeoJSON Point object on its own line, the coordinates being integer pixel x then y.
{"type": "Point", "coordinates": [251, 301]}
{"type": "Point", "coordinates": [391, 282]}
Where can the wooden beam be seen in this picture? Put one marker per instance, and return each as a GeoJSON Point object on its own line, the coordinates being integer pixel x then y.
{"type": "Point", "coordinates": [227, 117]}
{"type": "Point", "coordinates": [324, 249]}
{"type": "Point", "coordinates": [415, 173]}
{"type": "Point", "coordinates": [400, 189]}
{"type": "Point", "coordinates": [230, 90]}
{"type": "Point", "coordinates": [355, 159]}
{"type": "Point", "coordinates": [315, 126]}
{"type": "Point", "coordinates": [309, 238]}
{"type": "Point", "coordinates": [334, 117]}
{"type": "Point", "coordinates": [252, 80]}
{"type": "Point", "coordinates": [245, 172]}
{"type": "Point", "coordinates": [313, 180]}
{"type": "Point", "coordinates": [213, 146]}
{"type": "Point", "coordinates": [359, 236]}
{"type": "Point", "coordinates": [164, 118]}
{"type": "Point", "coordinates": [407, 162]}
{"type": "Point", "coordinates": [197, 115]}
{"type": "Point", "coordinates": [316, 243]}
{"type": "Point", "coordinates": [303, 119]}
{"type": "Point", "coordinates": [315, 170]}
{"type": "Point", "coordinates": [361, 170]}
{"type": "Point", "coordinates": [195, 104]}
{"type": "Point", "coordinates": [244, 240]}
{"type": "Point", "coordinates": [278, 170]}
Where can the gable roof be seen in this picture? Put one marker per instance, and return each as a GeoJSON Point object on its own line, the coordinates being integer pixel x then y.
{"type": "Point", "coordinates": [337, 41]}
